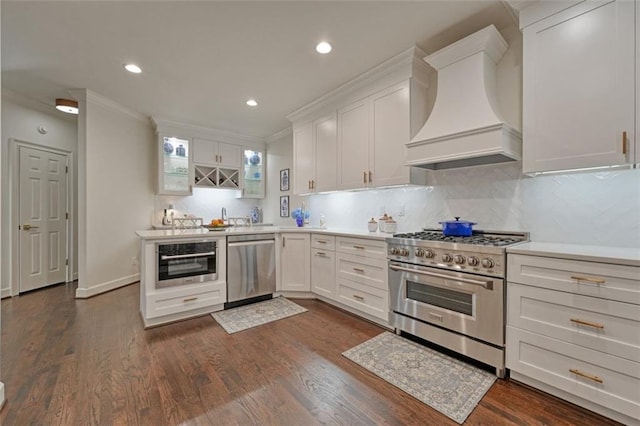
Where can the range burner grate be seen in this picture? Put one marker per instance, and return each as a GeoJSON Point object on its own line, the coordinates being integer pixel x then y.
{"type": "Point", "coordinates": [479, 239]}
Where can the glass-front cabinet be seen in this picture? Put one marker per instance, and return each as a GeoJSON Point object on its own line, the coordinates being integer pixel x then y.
{"type": "Point", "coordinates": [175, 166]}
{"type": "Point", "coordinates": [253, 173]}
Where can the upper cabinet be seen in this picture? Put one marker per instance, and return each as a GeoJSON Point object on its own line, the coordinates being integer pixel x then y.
{"type": "Point", "coordinates": [355, 136]}
{"type": "Point", "coordinates": [174, 165]}
{"type": "Point", "coordinates": [212, 153]}
{"type": "Point", "coordinates": [579, 85]}
{"type": "Point", "coordinates": [314, 153]}
{"type": "Point", "coordinates": [253, 169]}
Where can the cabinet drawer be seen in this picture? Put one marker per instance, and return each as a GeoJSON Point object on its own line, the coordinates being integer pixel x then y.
{"type": "Point", "coordinates": [603, 280]}
{"type": "Point", "coordinates": [370, 272]}
{"type": "Point", "coordinates": [183, 300]}
{"type": "Point", "coordinates": [603, 379]}
{"type": "Point", "coordinates": [323, 272]}
{"type": "Point", "coordinates": [603, 325]}
{"type": "Point", "coordinates": [365, 299]}
{"type": "Point", "coordinates": [325, 242]}
{"type": "Point", "coordinates": [362, 247]}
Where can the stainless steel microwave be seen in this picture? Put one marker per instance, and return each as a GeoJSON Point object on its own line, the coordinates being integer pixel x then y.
{"type": "Point", "coordinates": [186, 263]}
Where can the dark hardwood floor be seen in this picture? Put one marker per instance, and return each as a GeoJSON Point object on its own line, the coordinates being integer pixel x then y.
{"type": "Point", "coordinates": [90, 362]}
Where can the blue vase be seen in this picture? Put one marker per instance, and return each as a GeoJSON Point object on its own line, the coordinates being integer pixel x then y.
{"type": "Point", "coordinates": [300, 221]}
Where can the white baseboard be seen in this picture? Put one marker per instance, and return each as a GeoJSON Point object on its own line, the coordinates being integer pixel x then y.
{"type": "Point", "coordinates": [5, 292]}
{"type": "Point", "coordinates": [1, 395]}
{"type": "Point", "coordinates": [84, 293]}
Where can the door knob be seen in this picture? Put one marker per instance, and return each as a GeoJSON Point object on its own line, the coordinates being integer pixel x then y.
{"type": "Point", "coordinates": [26, 227]}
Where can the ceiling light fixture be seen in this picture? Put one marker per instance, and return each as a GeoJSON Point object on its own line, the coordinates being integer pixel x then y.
{"type": "Point", "coordinates": [252, 102]}
{"type": "Point", "coordinates": [133, 68]}
{"type": "Point", "coordinates": [323, 47]}
{"type": "Point", "coordinates": [66, 105]}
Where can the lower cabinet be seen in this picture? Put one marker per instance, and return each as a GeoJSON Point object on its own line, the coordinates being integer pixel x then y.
{"type": "Point", "coordinates": [295, 274]}
{"type": "Point", "coordinates": [570, 331]}
{"type": "Point", "coordinates": [323, 266]}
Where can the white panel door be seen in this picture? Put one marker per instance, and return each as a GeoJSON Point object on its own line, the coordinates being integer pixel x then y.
{"type": "Point", "coordinates": [353, 144]}
{"type": "Point", "coordinates": [296, 262]}
{"type": "Point", "coordinates": [43, 221]}
{"type": "Point", "coordinates": [303, 160]}
{"type": "Point", "coordinates": [391, 133]}
{"type": "Point", "coordinates": [578, 79]}
{"type": "Point", "coordinates": [326, 154]}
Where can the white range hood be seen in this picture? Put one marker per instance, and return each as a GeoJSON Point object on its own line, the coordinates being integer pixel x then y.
{"type": "Point", "coordinates": [465, 127]}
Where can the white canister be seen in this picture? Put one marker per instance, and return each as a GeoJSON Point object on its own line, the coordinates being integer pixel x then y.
{"type": "Point", "coordinates": [372, 225]}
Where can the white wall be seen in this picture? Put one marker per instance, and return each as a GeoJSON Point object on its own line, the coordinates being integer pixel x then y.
{"type": "Point", "coordinates": [21, 118]}
{"type": "Point", "coordinates": [115, 194]}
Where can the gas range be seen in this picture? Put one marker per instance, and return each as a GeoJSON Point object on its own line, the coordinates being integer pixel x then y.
{"type": "Point", "coordinates": [484, 252]}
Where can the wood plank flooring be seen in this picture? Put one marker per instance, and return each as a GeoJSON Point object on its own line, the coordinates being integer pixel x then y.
{"type": "Point", "coordinates": [90, 362]}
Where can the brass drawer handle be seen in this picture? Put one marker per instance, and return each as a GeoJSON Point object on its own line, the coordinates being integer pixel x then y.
{"type": "Point", "coordinates": [355, 296]}
{"type": "Point", "coordinates": [588, 279]}
{"type": "Point", "coordinates": [624, 142]}
{"type": "Point", "coordinates": [364, 177]}
{"type": "Point", "coordinates": [358, 247]}
{"type": "Point", "coordinates": [322, 254]}
{"type": "Point", "coordinates": [587, 323]}
{"type": "Point", "coordinates": [190, 299]}
{"type": "Point", "coordinates": [359, 270]}
{"type": "Point", "coordinates": [586, 376]}
{"type": "Point", "coordinates": [322, 241]}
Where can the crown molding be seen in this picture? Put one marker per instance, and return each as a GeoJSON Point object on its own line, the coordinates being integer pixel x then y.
{"type": "Point", "coordinates": [37, 105]}
{"type": "Point", "coordinates": [279, 135]}
{"type": "Point", "coordinates": [404, 65]}
{"type": "Point", "coordinates": [162, 126]}
{"type": "Point", "coordinates": [93, 97]}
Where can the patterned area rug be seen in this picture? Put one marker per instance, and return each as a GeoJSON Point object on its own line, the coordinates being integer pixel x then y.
{"type": "Point", "coordinates": [450, 386]}
{"type": "Point", "coordinates": [243, 317]}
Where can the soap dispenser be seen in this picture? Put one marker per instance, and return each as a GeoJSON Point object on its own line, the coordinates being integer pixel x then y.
{"type": "Point", "coordinates": [165, 219]}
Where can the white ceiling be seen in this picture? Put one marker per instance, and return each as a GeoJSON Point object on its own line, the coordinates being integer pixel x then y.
{"type": "Point", "coordinates": [202, 60]}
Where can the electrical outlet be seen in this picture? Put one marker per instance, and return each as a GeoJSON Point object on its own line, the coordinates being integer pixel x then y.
{"type": "Point", "coordinates": [134, 261]}
{"type": "Point", "coordinates": [401, 211]}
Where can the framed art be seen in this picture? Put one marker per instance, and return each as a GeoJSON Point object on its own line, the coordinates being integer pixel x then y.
{"type": "Point", "coordinates": [284, 180]}
{"type": "Point", "coordinates": [284, 206]}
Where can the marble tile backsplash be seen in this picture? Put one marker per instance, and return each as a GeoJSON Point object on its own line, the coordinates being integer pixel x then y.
{"type": "Point", "coordinates": [594, 208]}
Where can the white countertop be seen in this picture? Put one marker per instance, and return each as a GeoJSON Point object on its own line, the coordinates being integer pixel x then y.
{"type": "Point", "coordinates": [241, 230]}
{"type": "Point", "coordinates": [616, 255]}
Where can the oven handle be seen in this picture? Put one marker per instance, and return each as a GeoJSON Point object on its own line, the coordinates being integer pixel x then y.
{"type": "Point", "coordinates": [186, 256]}
{"type": "Point", "coordinates": [486, 284]}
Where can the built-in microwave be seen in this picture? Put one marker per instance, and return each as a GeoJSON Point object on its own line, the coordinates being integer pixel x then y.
{"type": "Point", "coordinates": [186, 263]}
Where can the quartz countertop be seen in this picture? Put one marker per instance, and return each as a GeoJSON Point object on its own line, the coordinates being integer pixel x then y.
{"type": "Point", "coordinates": [256, 229]}
{"type": "Point", "coordinates": [615, 255]}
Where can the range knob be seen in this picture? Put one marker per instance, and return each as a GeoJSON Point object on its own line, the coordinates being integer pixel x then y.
{"type": "Point", "coordinates": [419, 252]}
{"type": "Point", "coordinates": [393, 250]}
{"type": "Point", "coordinates": [459, 259]}
{"type": "Point", "coordinates": [429, 254]}
{"type": "Point", "coordinates": [446, 258]}
{"type": "Point", "coordinates": [403, 252]}
{"type": "Point", "coordinates": [488, 263]}
{"type": "Point", "coordinates": [473, 261]}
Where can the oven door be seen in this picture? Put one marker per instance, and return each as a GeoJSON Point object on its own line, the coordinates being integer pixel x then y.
{"type": "Point", "coordinates": [186, 263]}
{"type": "Point", "coordinates": [469, 304]}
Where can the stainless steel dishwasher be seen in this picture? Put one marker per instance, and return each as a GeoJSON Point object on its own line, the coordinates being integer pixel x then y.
{"type": "Point", "coordinates": [251, 268]}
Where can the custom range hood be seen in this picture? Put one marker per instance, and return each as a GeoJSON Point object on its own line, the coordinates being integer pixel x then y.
{"type": "Point", "coordinates": [465, 127]}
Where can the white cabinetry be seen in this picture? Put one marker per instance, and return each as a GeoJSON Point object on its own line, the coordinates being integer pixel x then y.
{"type": "Point", "coordinates": [253, 169]}
{"type": "Point", "coordinates": [314, 153]}
{"type": "Point", "coordinates": [174, 165]}
{"type": "Point", "coordinates": [216, 164]}
{"type": "Point", "coordinates": [578, 85]}
{"type": "Point", "coordinates": [295, 274]}
{"type": "Point", "coordinates": [372, 137]}
{"type": "Point", "coordinates": [323, 265]}
{"type": "Point", "coordinates": [573, 330]}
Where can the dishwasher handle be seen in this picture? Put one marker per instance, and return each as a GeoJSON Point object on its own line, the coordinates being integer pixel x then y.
{"type": "Point", "coordinates": [251, 243]}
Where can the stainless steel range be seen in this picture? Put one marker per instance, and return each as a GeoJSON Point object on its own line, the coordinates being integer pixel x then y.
{"type": "Point", "coordinates": [451, 290]}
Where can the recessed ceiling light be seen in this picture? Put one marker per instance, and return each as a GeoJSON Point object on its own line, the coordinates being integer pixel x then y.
{"type": "Point", "coordinates": [323, 47]}
{"type": "Point", "coordinates": [66, 105]}
{"type": "Point", "coordinates": [252, 102]}
{"type": "Point", "coordinates": [133, 68]}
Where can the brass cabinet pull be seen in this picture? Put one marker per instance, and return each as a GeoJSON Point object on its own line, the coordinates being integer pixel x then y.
{"type": "Point", "coordinates": [369, 176]}
{"type": "Point", "coordinates": [313, 184]}
{"type": "Point", "coordinates": [321, 241]}
{"type": "Point", "coordinates": [217, 161]}
{"type": "Point", "coordinates": [322, 254]}
{"type": "Point", "coordinates": [585, 375]}
{"type": "Point", "coordinates": [190, 299]}
{"type": "Point", "coordinates": [364, 177]}
{"type": "Point", "coordinates": [355, 296]}
{"type": "Point", "coordinates": [221, 158]}
{"type": "Point", "coordinates": [588, 279]}
{"type": "Point", "coordinates": [587, 323]}
{"type": "Point", "coordinates": [359, 247]}
{"type": "Point", "coordinates": [624, 142]}
{"type": "Point", "coordinates": [359, 270]}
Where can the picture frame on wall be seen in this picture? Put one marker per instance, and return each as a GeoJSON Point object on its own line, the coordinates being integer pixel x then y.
{"type": "Point", "coordinates": [284, 206]}
{"type": "Point", "coordinates": [284, 180]}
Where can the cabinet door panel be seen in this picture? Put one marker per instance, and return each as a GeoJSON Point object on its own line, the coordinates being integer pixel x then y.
{"type": "Point", "coordinates": [204, 151]}
{"type": "Point", "coordinates": [326, 154]}
{"type": "Point", "coordinates": [296, 262]}
{"type": "Point", "coordinates": [391, 129]}
{"type": "Point", "coordinates": [353, 144]}
{"type": "Point", "coordinates": [578, 71]}
{"type": "Point", "coordinates": [229, 155]}
{"type": "Point", "coordinates": [303, 162]}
